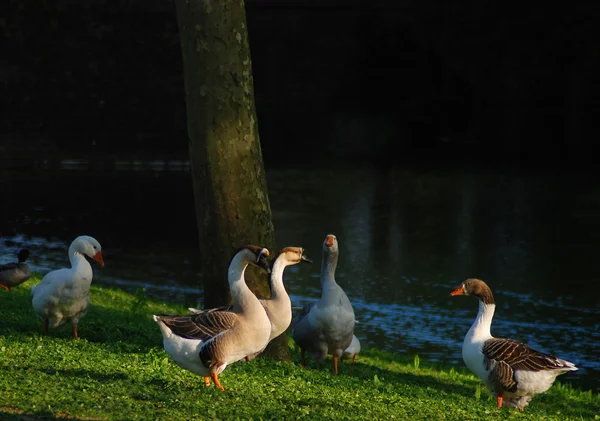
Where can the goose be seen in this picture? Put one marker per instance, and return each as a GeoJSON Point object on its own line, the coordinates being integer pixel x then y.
{"type": "Point", "coordinates": [13, 274]}
{"type": "Point", "coordinates": [326, 327]}
{"type": "Point", "coordinates": [205, 343]}
{"type": "Point", "coordinates": [350, 352]}
{"type": "Point", "coordinates": [353, 349]}
{"type": "Point", "coordinates": [512, 371]}
{"type": "Point", "coordinates": [63, 295]}
{"type": "Point", "coordinates": [279, 306]}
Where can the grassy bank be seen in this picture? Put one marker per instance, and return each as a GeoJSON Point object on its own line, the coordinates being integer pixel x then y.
{"type": "Point", "coordinates": [119, 371]}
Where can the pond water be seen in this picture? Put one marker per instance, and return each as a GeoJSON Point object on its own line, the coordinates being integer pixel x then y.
{"type": "Point", "coordinates": [407, 238]}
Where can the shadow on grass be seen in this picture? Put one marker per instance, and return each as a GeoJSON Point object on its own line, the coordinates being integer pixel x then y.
{"type": "Point", "coordinates": [11, 413]}
{"type": "Point", "coordinates": [128, 330]}
{"type": "Point", "coordinates": [547, 402]}
{"type": "Point", "coordinates": [564, 404]}
{"type": "Point", "coordinates": [366, 372]}
{"type": "Point", "coordinates": [84, 374]}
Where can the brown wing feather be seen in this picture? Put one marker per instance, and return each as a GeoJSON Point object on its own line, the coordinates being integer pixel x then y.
{"type": "Point", "coordinates": [210, 353]}
{"type": "Point", "coordinates": [519, 356]}
{"type": "Point", "coordinates": [210, 310]}
{"type": "Point", "coordinates": [502, 377]}
{"type": "Point", "coordinates": [203, 325]}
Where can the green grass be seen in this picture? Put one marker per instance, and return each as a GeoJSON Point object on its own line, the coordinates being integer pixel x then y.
{"type": "Point", "coordinates": [119, 371]}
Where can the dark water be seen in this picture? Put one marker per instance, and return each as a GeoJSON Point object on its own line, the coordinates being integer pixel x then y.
{"type": "Point", "coordinates": [407, 238]}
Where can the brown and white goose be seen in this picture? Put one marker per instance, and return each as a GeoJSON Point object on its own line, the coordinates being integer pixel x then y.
{"type": "Point", "coordinates": [279, 306]}
{"type": "Point", "coordinates": [512, 371]}
{"type": "Point", "coordinates": [63, 295]}
{"type": "Point", "coordinates": [327, 326]}
{"type": "Point", "coordinates": [206, 343]}
{"type": "Point", "coordinates": [14, 274]}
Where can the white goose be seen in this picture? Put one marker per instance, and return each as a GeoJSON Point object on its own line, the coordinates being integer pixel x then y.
{"type": "Point", "coordinates": [353, 349]}
{"type": "Point", "coordinates": [327, 326]}
{"type": "Point", "coordinates": [512, 371]}
{"type": "Point", "coordinates": [206, 342]}
{"type": "Point", "coordinates": [279, 306]}
{"type": "Point", "coordinates": [63, 295]}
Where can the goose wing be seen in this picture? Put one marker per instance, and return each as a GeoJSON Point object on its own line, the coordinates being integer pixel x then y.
{"type": "Point", "coordinates": [222, 308]}
{"type": "Point", "coordinates": [303, 312]}
{"type": "Point", "coordinates": [203, 325]}
{"type": "Point", "coordinates": [505, 356]}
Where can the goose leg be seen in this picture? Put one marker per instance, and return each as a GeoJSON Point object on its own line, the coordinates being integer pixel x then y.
{"type": "Point", "coordinates": [75, 335]}
{"type": "Point", "coordinates": [216, 380]}
{"type": "Point", "coordinates": [499, 401]}
{"type": "Point", "coordinates": [353, 358]}
{"type": "Point", "coordinates": [206, 380]}
{"type": "Point", "coordinates": [303, 359]}
{"type": "Point", "coordinates": [247, 358]}
{"type": "Point", "coordinates": [5, 287]}
{"type": "Point", "coordinates": [335, 364]}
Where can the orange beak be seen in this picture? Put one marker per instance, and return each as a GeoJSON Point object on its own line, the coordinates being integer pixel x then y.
{"type": "Point", "coordinates": [458, 291]}
{"type": "Point", "coordinates": [329, 241]}
{"type": "Point", "coordinates": [98, 258]}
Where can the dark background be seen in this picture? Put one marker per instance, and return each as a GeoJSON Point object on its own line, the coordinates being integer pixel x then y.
{"type": "Point", "coordinates": [389, 82]}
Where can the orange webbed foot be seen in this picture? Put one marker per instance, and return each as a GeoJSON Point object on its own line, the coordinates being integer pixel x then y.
{"type": "Point", "coordinates": [215, 378]}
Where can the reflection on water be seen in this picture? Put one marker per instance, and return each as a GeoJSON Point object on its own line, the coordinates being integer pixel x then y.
{"type": "Point", "coordinates": [407, 238]}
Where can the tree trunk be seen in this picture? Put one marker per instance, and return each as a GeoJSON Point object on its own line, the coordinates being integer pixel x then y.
{"type": "Point", "coordinates": [230, 189]}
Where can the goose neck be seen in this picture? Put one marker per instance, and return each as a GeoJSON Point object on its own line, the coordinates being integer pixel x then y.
{"type": "Point", "coordinates": [481, 327]}
{"type": "Point", "coordinates": [241, 295]}
{"type": "Point", "coordinates": [78, 260]}
{"type": "Point", "coordinates": [277, 287]}
{"type": "Point", "coordinates": [328, 270]}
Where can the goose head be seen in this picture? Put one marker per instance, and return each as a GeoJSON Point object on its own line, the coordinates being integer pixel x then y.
{"type": "Point", "coordinates": [475, 287]}
{"type": "Point", "coordinates": [293, 255]}
{"type": "Point", "coordinates": [330, 251]}
{"type": "Point", "coordinates": [23, 255]}
{"type": "Point", "coordinates": [256, 256]}
{"type": "Point", "coordinates": [330, 245]}
{"type": "Point", "coordinates": [88, 246]}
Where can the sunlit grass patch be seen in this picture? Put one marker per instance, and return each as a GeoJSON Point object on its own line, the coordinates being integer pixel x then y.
{"type": "Point", "coordinates": [119, 371]}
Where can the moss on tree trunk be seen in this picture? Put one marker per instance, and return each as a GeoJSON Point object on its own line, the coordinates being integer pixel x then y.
{"type": "Point", "coordinates": [230, 189]}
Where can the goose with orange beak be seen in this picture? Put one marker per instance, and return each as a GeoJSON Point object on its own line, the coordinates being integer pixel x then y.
{"type": "Point", "coordinates": [63, 295]}
{"type": "Point", "coordinates": [512, 371]}
{"type": "Point", "coordinates": [326, 327]}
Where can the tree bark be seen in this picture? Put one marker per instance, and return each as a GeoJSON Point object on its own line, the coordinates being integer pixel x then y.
{"type": "Point", "coordinates": [230, 188]}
